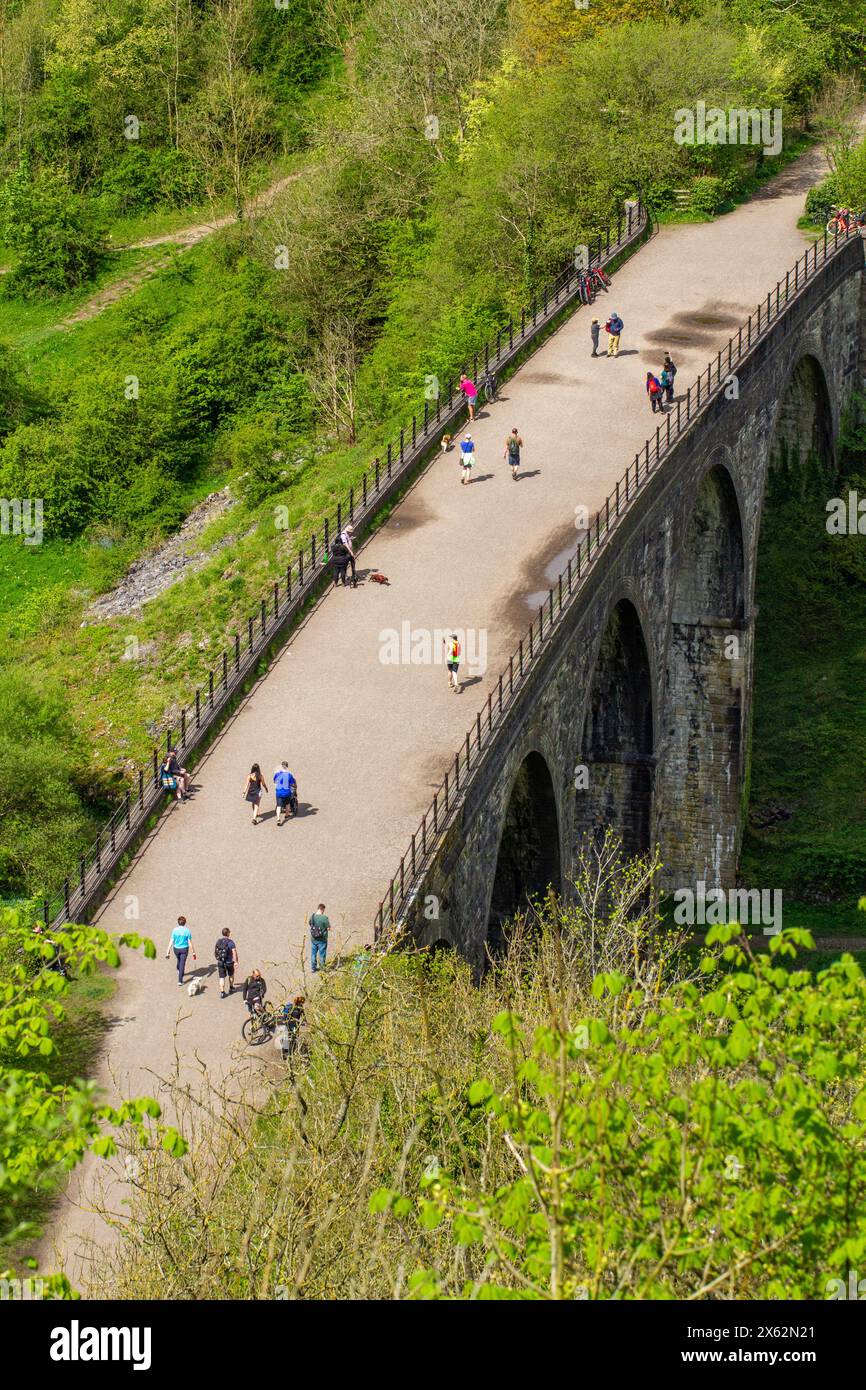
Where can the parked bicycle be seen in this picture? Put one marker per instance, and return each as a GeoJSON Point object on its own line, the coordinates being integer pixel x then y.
{"type": "Point", "coordinates": [845, 220]}
{"type": "Point", "coordinates": [585, 287]}
{"type": "Point", "coordinates": [600, 278]}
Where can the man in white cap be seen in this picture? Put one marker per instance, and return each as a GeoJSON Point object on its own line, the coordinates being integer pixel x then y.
{"type": "Point", "coordinates": [347, 536]}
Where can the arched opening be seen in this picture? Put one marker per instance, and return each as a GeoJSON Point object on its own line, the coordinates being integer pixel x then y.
{"type": "Point", "coordinates": [804, 428]}
{"type": "Point", "coordinates": [614, 784]}
{"type": "Point", "coordinates": [804, 829]}
{"type": "Point", "coordinates": [528, 862]}
{"type": "Point", "coordinates": [701, 763]}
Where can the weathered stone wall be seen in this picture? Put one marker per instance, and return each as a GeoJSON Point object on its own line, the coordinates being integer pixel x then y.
{"type": "Point", "coordinates": [648, 684]}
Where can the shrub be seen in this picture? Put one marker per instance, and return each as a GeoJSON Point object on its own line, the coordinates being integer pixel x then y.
{"type": "Point", "coordinates": [707, 194]}
{"type": "Point", "coordinates": [56, 234]}
{"type": "Point", "coordinates": [821, 199]}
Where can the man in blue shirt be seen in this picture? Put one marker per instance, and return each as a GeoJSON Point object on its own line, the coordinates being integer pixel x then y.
{"type": "Point", "coordinates": [286, 792]}
{"type": "Point", "coordinates": [180, 942]}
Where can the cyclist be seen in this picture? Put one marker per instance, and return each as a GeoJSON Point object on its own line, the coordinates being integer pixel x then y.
{"type": "Point", "coordinates": [286, 791]}
{"type": "Point", "coordinates": [255, 989]}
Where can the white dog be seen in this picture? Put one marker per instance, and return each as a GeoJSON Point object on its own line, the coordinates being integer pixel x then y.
{"type": "Point", "coordinates": [194, 987]}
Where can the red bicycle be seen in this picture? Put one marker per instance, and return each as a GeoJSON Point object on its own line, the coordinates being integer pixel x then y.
{"type": "Point", "coordinates": [585, 287]}
{"type": "Point", "coordinates": [844, 220]}
{"type": "Point", "coordinates": [600, 277]}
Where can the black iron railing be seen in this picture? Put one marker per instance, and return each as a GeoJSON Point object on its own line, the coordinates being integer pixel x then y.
{"type": "Point", "coordinates": [403, 893]}
{"type": "Point", "coordinates": [292, 590]}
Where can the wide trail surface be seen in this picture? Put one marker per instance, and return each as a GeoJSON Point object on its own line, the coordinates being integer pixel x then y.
{"type": "Point", "coordinates": [369, 741]}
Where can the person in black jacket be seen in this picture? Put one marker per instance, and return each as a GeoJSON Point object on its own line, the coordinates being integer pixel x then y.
{"type": "Point", "coordinates": [255, 989]}
{"type": "Point", "coordinates": [339, 560]}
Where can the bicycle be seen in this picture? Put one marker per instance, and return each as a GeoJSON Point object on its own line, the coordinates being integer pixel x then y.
{"type": "Point", "coordinates": [844, 220]}
{"type": "Point", "coordinates": [585, 287]}
{"type": "Point", "coordinates": [260, 1026]}
{"type": "Point", "coordinates": [600, 277]}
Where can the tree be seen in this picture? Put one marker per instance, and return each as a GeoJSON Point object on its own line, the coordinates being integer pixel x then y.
{"type": "Point", "coordinates": [333, 377]}
{"type": "Point", "coordinates": [226, 124]}
{"type": "Point", "coordinates": [46, 1127]}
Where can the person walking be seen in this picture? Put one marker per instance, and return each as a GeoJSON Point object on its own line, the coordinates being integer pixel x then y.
{"type": "Point", "coordinates": [347, 536]}
{"type": "Point", "coordinates": [513, 445]}
{"type": "Point", "coordinates": [319, 928]}
{"type": "Point", "coordinates": [594, 331]}
{"type": "Point", "coordinates": [470, 391]}
{"type": "Point", "coordinates": [452, 660]}
{"type": "Point", "coordinates": [654, 391]}
{"type": "Point", "coordinates": [286, 792]}
{"type": "Point", "coordinates": [226, 956]}
{"type": "Point", "coordinates": [613, 328]}
{"type": "Point", "coordinates": [467, 458]}
{"type": "Point", "coordinates": [670, 367]}
{"type": "Point", "coordinates": [339, 560]}
{"type": "Point", "coordinates": [666, 384]}
{"type": "Point", "coordinates": [254, 991]}
{"type": "Point", "coordinates": [180, 942]}
{"type": "Point", "coordinates": [253, 788]}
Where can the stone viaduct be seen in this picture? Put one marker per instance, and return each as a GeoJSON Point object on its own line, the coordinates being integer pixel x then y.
{"type": "Point", "coordinates": [646, 679]}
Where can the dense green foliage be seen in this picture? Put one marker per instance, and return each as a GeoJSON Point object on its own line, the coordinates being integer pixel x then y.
{"type": "Point", "coordinates": [807, 827]}
{"type": "Point", "coordinates": [49, 1121]}
{"type": "Point", "coordinates": [597, 1120]}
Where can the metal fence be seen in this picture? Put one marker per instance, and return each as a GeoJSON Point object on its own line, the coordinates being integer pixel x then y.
{"type": "Point", "coordinates": [288, 595]}
{"type": "Point", "coordinates": [404, 889]}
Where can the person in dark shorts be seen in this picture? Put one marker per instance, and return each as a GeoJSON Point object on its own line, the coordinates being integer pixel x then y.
{"type": "Point", "coordinates": [513, 445]}
{"type": "Point", "coordinates": [286, 792]}
{"type": "Point", "coordinates": [226, 956]}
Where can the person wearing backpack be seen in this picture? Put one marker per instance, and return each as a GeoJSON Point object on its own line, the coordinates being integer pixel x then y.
{"type": "Point", "coordinates": [613, 328]}
{"type": "Point", "coordinates": [452, 659]}
{"type": "Point", "coordinates": [226, 956]}
{"type": "Point", "coordinates": [513, 445]}
{"type": "Point", "coordinates": [654, 391]}
{"type": "Point", "coordinates": [286, 792]}
{"type": "Point", "coordinates": [339, 560]}
{"type": "Point", "coordinates": [319, 928]}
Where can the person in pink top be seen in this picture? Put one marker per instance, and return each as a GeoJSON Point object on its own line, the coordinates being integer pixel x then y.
{"type": "Point", "coordinates": [470, 391]}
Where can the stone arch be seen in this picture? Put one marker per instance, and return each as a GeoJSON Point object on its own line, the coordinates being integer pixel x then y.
{"type": "Point", "coordinates": [528, 856]}
{"type": "Point", "coordinates": [702, 745]}
{"type": "Point", "coordinates": [804, 428]}
{"type": "Point", "coordinates": [617, 747]}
